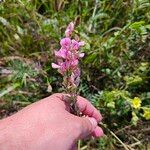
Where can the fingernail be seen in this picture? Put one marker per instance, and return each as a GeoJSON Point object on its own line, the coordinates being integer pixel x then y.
{"type": "Point", "coordinates": [93, 121]}
{"type": "Point", "coordinates": [99, 133]}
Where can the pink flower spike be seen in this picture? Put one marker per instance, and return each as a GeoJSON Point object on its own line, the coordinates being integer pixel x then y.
{"type": "Point", "coordinates": [55, 66]}
{"type": "Point", "coordinates": [67, 63]}
{"type": "Point", "coordinates": [82, 43]}
{"type": "Point", "coordinates": [81, 55]}
{"type": "Point", "coordinates": [65, 42]}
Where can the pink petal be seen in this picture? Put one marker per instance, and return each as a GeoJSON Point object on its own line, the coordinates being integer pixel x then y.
{"type": "Point", "coordinates": [82, 43]}
{"type": "Point", "coordinates": [77, 72]}
{"type": "Point", "coordinates": [75, 45]}
{"type": "Point", "coordinates": [62, 53]}
{"type": "Point", "coordinates": [77, 81]}
{"type": "Point", "coordinates": [55, 65]}
{"type": "Point", "coordinates": [65, 42]}
{"type": "Point", "coordinates": [67, 65]}
{"type": "Point", "coordinates": [69, 29]}
{"type": "Point", "coordinates": [81, 55]}
{"type": "Point", "coordinates": [57, 53]}
{"type": "Point", "coordinates": [74, 62]}
{"type": "Point", "coordinates": [71, 26]}
{"type": "Point", "coordinates": [72, 78]}
{"type": "Point", "coordinates": [64, 67]}
{"type": "Point", "coordinates": [68, 33]}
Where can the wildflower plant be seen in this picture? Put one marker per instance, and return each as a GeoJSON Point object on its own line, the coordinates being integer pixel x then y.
{"type": "Point", "coordinates": [67, 58]}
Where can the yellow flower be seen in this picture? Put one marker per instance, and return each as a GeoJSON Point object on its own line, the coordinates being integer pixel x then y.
{"type": "Point", "coordinates": [136, 102]}
{"type": "Point", "coordinates": [146, 114]}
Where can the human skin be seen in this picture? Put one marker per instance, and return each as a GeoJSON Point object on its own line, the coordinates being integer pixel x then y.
{"type": "Point", "coordinates": [48, 124]}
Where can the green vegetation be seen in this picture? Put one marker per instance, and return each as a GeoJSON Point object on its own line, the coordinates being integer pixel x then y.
{"type": "Point", "coordinates": [115, 69]}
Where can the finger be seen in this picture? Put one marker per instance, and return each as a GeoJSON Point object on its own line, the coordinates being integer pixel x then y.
{"type": "Point", "coordinates": [87, 126]}
{"type": "Point", "coordinates": [58, 98]}
{"type": "Point", "coordinates": [88, 109]}
{"type": "Point", "coordinates": [98, 132]}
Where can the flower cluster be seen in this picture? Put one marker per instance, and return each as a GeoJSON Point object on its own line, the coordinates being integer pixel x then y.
{"type": "Point", "coordinates": [68, 58]}
{"type": "Point", "coordinates": [146, 114]}
{"type": "Point", "coordinates": [136, 102]}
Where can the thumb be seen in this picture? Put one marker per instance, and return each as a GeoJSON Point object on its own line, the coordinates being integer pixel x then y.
{"type": "Point", "coordinates": [88, 124]}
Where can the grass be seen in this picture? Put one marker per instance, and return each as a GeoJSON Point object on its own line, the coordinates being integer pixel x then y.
{"type": "Point", "coordinates": [115, 68]}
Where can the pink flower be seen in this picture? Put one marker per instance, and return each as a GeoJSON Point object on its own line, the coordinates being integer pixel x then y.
{"type": "Point", "coordinates": [62, 53]}
{"type": "Point", "coordinates": [74, 63]}
{"type": "Point", "coordinates": [77, 72]}
{"type": "Point", "coordinates": [75, 77]}
{"type": "Point", "coordinates": [61, 66]}
{"type": "Point", "coordinates": [75, 45]}
{"type": "Point", "coordinates": [65, 42]}
{"type": "Point", "coordinates": [69, 29]}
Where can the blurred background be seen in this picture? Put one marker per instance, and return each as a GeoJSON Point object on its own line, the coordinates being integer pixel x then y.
{"type": "Point", "coordinates": [115, 70]}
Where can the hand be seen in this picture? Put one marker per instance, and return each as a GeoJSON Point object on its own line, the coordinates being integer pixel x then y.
{"type": "Point", "coordinates": [48, 124]}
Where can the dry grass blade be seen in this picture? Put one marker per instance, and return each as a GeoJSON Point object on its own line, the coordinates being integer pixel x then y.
{"type": "Point", "coordinates": [9, 89]}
